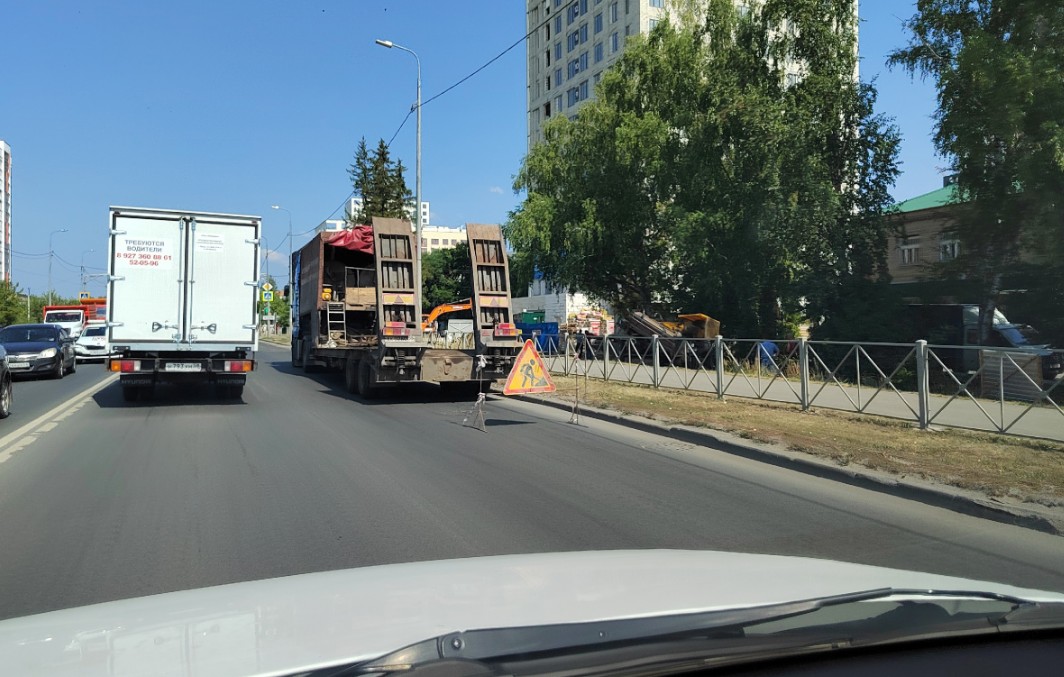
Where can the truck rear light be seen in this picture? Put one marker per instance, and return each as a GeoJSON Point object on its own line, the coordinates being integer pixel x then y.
{"type": "Point", "coordinates": [505, 329]}
{"type": "Point", "coordinates": [239, 365]}
{"type": "Point", "coordinates": [125, 365]}
{"type": "Point", "coordinates": [396, 329]}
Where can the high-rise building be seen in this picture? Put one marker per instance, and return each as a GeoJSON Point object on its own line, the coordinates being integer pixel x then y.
{"type": "Point", "coordinates": [355, 204]}
{"type": "Point", "coordinates": [5, 212]}
{"type": "Point", "coordinates": [572, 42]}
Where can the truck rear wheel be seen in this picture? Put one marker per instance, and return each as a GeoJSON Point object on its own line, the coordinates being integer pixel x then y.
{"type": "Point", "coordinates": [297, 353]}
{"type": "Point", "coordinates": [365, 382]}
{"type": "Point", "coordinates": [351, 368]}
{"type": "Point", "coordinates": [307, 363]}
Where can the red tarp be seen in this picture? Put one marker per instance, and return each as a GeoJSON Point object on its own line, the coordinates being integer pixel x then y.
{"type": "Point", "coordinates": [359, 239]}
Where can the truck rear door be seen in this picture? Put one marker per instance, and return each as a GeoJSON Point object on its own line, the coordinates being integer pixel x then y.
{"type": "Point", "coordinates": [223, 269]}
{"type": "Point", "coordinates": [147, 292]}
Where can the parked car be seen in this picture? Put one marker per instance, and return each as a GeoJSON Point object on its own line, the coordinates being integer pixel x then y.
{"type": "Point", "coordinates": [92, 344]}
{"type": "Point", "coordinates": [38, 349]}
{"type": "Point", "coordinates": [6, 389]}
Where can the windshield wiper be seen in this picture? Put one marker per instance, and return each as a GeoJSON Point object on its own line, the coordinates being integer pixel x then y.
{"type": "Point", "coordinates": [669, 638]}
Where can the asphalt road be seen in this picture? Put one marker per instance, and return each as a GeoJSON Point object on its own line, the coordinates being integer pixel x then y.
{"type": "Point", "coordinates": [38, 394]}
{"type": "Point", "coordinates": [114, 500]}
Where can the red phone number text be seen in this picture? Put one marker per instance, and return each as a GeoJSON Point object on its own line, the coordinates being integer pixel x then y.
{"type": "Point", "coordinates": [135, 259]}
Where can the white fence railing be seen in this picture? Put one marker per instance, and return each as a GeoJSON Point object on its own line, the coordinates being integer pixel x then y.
{"type": "Point", "coordinates": [1011, 391]}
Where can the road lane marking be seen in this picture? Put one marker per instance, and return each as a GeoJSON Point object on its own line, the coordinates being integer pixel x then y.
{"type": "Point", "coordinates": [24, 436]}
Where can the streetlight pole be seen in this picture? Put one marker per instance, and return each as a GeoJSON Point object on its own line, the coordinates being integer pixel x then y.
{"type": "Point", "coordinates": [51, 255]}
{"type": "Point", "coordinates": [291, 282]}
{"type": "Point", "coordinates": [417, 173]}
{"type": "Point", "coordinates": [83, 279]}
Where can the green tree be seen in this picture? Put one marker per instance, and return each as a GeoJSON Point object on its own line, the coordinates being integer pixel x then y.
{"type": "Point", "coordinates": [12, 304]}
{"type": "Point", "coordinates": [997, 67]}
{"type": "Point", "coordinates": [445, 275]}
{"type": "Point", "coordinates": [380, 182]}
{"type": "Point", "coordinates": [704, 178]}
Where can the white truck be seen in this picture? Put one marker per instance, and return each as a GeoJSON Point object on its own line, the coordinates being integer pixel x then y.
{"type": "Point", "coordinates": [183, 290]}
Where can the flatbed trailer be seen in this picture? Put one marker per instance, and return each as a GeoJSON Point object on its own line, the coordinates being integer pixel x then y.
{"type": "Point", "coordinates": [358, 311]}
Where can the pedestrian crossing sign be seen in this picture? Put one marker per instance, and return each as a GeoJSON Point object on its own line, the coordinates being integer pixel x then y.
{"type": "Point", "coordinates": [267, 296]}
{"type": "Point", "coordinates": [529, 373]}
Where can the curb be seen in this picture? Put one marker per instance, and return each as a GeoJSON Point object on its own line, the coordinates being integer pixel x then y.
{"type": "Point", "coordinates": [976, 505]}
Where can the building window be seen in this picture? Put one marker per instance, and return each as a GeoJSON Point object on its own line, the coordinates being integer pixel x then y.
{"type": "Point", "coordinates": [653, 23]}
{"type": "Point", "coordinates": [558, 77]}
{"type": "Point", "coordinates": [547, 27]}
{"type": "Point", "coordinates": [558, 103]}
{"type": "Point", "coordinates": [558, 25]}
{"type": "Point", "coordinates": [949, 249]}
{"type": "Point", "coordinates": [613, 12]}
{"type": "Point", "coordinates": [548, 57]}
{"type": "Point", "coordinates": [598, 52]}
{"type": "Point", "coordinates": [598, 76]}
{"type": "Point", "coordinates": [909, 250]}
{"type": "Point", "coordinates": [546, 110]}
{"type": "Point", "coordinates": [615, 42]}
{"type": "Point", "coordinates": [557, 51]}
{"type": "Point", "coordinates": [657, 3]}
{"type": "Point", "coordinates": [627, 4]}
{"type": "Point", "coordinates": [598, 23]}
{"type": "Point", "coordinates": [792, 79]}
{"type": "Point", "coordinates": [548, 82]}
{"type": "Point", "coordinates": [583, 34]}
{"type": "Point", "coordinates": [435, 241]}
{"type": "Point", "coordinates": [583, 90]}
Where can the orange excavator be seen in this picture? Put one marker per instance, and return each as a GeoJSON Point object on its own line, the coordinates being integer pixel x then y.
{"type": "Point", "coordinates": [443, 309]}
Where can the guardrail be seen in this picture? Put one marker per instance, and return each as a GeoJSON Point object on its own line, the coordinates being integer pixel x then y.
{"type": "Point", "coordinates": [1009, 391]}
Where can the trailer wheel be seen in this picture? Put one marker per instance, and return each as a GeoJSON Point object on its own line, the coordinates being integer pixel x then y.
{"type": "Point", "coordinates": [365, 387]}
{"type": "Point", "coordinates": [307, 363]}
{"type": "Point", "coordinates": [351, 376]}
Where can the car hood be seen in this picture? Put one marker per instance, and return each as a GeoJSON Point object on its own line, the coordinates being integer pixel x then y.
{"type": "Point", "coordinates": [29, 346]}
{"type": "Point", "coordinates": [283, 625]}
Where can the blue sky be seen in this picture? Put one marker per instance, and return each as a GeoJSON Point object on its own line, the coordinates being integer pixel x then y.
{"type": "Point", "coordinates": [235, 106]}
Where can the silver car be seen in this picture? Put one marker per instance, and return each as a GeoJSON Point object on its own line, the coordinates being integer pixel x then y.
{"type": "Point", "coordinates": [92, 344]}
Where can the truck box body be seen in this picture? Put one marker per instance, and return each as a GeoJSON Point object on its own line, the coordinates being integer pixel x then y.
{"type": "Point", "coordinates": [182, 297]}
{"type": "Point", "coordinates": [358, 310]}
{"type": "Point", "coordinates": [959, 325]}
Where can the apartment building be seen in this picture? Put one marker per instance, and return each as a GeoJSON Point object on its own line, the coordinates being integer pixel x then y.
{"type": "Point", "coordinates": [355, 204]}
{"type": "Point", "coordinates": [5, 211]}
{"type": "Point", "coordinates": [571, 43]}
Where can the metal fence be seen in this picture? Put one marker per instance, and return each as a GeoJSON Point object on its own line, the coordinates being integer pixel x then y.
{"type": "Point", "coordinates": [1011, 391]}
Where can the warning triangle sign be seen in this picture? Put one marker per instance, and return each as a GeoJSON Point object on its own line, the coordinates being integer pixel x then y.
{"type": "Point", "coordinates": [529, 373]}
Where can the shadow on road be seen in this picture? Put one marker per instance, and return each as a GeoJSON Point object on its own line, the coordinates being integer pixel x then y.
{"type": "Point", "coordinates": [164, 396]}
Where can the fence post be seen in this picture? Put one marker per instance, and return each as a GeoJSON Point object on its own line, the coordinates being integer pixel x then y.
{"type": "Point", "coordinates": [656, 377]}
{"type": "Point", "coordinates": [922, 383]}
{"type": "Point", "coordinates": [718, 355]}
{"type": "Point", "coordinates": [803, 372]}
{"type": "Point", "coordinates": [605, 356]}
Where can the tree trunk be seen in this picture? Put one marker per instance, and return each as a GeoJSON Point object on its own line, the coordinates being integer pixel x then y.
{"type": "Point", "coordinates": [986, 318]}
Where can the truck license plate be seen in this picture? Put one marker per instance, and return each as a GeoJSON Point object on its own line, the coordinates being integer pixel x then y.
{"type": "Point", "coordinates": [182, 366]}
{"type": "Point", "coordinates": [19, 365]}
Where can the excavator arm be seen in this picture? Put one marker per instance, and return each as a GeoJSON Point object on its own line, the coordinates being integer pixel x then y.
{"type": "Point", "coordinates": [443, 309]}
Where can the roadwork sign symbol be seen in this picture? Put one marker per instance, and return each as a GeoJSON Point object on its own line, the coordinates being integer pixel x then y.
{"type": "Point", "coordinates": [529, 374]}
{"type": "Point", "coordinates": [267, 296]}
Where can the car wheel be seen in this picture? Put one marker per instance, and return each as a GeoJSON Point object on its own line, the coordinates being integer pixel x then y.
{"type": "Point", "coordinates": [60, 370]}
{"type": "Point", "coordinates": [7, 394]}
{"type": "Point", "coordinates": [73, 365]}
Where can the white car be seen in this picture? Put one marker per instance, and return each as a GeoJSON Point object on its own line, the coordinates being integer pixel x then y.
{"type": "Point", "coordinates": [654, 612]}
{"type": "Point", "coordinates": [92, 343]}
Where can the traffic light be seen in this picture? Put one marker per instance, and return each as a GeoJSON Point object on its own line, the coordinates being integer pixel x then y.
{"type": "Point", "coordinates": [284, 292]}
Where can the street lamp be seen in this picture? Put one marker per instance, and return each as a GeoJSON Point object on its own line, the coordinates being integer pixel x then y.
{"type": "Point", "coordinates": [83, 281]}
{"type": "Point", "coordinates": [51, 255]}
{"type": "Point", "coordinates": [291, 282]}
{"type": "Point", "coordinates": [417, 172]}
